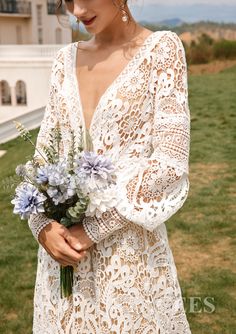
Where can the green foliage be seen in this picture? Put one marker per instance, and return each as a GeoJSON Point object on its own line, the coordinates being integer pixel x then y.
{"type": "Point", "coordinates": [72, 151]}
{"type": "Point", "coordinates": [206, 50]}
{"type": "Point", "coordinates": [75, 212]}
{"type": "Point", "coordinates": [24, 133]}
{"type": "Point", "coordinates": [224, 49]}
{"type": "Point", "coordinates": [52, 149]}
{"type": "Point", "coordinates": [206, 223]}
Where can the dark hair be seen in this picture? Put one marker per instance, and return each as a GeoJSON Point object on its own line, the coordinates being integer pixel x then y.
{"type": "Point", "coordinates": [60, 7]}
{"type": "Point", "coordinates": [59, 2]}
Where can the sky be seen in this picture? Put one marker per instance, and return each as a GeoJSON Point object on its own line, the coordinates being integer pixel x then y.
{"type": "Point", "coordinates": [186, 2]}
{"type": "Point", "coordinates": [185, 10]}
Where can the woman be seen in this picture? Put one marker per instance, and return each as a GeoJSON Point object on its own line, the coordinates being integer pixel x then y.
{"type": "Point", "coordinates": [127, 86]}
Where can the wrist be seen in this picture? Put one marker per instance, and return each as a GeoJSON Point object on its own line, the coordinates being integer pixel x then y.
{"type": "Point", "coordinates": [37, 222]}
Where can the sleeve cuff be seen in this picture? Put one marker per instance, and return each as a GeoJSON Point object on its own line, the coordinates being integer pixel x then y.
{"type": "Point", "coordinates": [37, 222]}
{"type": "Point", "coordinates": [98, 229]}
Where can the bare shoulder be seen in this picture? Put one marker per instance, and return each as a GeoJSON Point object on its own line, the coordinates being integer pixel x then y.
{"type": "Point", "coordinates": [147, 31]}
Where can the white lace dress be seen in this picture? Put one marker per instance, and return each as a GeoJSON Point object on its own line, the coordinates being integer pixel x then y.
{"type": "Point", "coordinates": [128, 282]}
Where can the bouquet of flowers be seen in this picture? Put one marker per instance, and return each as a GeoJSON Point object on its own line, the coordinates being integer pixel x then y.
{"type": "Point", "coordinates": [64, 188]}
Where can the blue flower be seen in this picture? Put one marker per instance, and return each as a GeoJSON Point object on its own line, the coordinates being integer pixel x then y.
{"type": "Point", "coordinates": [42, 175]}
{"type": "Point", "coordinates": [73, 185]}
{"type": "Point", "coordinates": [56, 195]}
{"type": "Point", "coordinates": [61, 185]}
{"type": "Point", "coordinates": [61, 193]}
{"type": "Point", "coordinates": [28, 200]}
{"type": "Point", "coordinates": [54, 174]}
{"type": "Point", "coordinates": [94, 170]}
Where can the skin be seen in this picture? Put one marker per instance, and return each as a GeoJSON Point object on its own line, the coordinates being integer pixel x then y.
{"type": "Point", "coordinates": [103, 57]}
{"type": "Point", "coordinates": [111, 39]}
{"type": "Point", "coordinates": [65, 245]}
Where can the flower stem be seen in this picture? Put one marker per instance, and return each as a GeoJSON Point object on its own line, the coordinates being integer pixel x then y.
{"type": "Point", "coordinates": [66, 281]}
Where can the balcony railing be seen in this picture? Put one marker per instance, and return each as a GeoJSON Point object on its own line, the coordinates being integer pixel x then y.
{"type": "Point", "coordinates": [52, 8]}
{"type": "Point", "coordinates": [28, 51]}
{"type": "Point", "coordinates": [15, 7]}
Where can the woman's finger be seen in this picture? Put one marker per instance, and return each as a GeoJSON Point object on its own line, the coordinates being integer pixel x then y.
{"type": "Point", "coordinates": [61, 256]}
{"type": "Point", "coordinates": [69, 252]}
{"type": "Point", "coordinates": [67, 261]}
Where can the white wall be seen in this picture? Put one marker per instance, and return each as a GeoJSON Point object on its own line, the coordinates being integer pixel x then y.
{"type": "Point", "coordinates": [35, 73]}
{"type": "Point", "coordinates": [49, 25]}
{"type": "Point", "coordinates": [31, 64]}
{"type": "Point", "coordinates": [8, 27]}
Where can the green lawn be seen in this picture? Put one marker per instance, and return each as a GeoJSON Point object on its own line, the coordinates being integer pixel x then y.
{"type": "Point", "coordinates": [201, 234]}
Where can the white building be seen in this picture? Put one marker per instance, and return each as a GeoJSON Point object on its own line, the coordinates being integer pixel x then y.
{"type": "Point", "coordinates": [24, 74]}
{"type": "Point", "coordinates": [30, 35]}
{"type": "Point", "coordinates": [31, 22]}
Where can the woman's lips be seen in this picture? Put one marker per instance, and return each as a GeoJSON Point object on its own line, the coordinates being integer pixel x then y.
{"type": "Point", "coordinates": [89, 21]}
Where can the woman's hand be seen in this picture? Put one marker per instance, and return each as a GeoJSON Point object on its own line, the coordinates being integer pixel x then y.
{"type": "Point", "coordinates": [53, 237]}
{"type": "Point", "coordinates": [78, 238]}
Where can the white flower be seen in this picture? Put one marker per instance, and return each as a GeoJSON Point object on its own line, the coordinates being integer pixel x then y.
{"type": "Point", "coordinates": [101, 201]}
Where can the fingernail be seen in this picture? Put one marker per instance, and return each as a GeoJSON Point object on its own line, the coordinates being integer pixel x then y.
{"type": "Point", "coordinates": [78, 247]}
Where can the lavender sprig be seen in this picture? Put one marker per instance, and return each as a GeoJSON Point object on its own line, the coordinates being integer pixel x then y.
{"type": "Point", "coordinates": [25, 134]}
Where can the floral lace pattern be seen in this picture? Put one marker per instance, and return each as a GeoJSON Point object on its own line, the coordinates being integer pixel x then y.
{"type": "Point", "coordinates": [127, 284]}
{"type": "Point", "coordinates": [100, 228]}
{"type": "Point", "coordinates": [37, 223]}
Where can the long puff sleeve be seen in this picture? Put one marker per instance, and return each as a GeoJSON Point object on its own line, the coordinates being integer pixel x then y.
{"type": "Point", "coordinates": [38, 221]}
{"type": "Point", "coordinates": [157, 189]}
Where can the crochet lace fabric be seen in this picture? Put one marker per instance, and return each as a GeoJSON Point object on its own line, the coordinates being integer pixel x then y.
{"type": "Point", "coordinates": [128, 282]}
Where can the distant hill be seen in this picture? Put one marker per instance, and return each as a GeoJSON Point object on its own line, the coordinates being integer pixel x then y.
{"type": "Point", "coordinates": [154, 13]}
{"type": "Point", "coordinates": [216, 31]}
{"type": "Point", "coordinates": [191, 32]}
{"type": "Point", "coordinates": [172, 22]}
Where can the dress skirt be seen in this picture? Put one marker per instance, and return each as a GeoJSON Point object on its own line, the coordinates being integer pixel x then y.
{"type": "Point", "coordinates": [127, 283]}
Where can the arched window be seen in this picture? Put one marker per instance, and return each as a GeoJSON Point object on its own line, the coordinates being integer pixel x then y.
{"type": "Point", "coordinates": [21, 93]}
{"type": "Point", "coordinates": [5, 93]}
{"type": "Point", "coordinates": [58, 36]}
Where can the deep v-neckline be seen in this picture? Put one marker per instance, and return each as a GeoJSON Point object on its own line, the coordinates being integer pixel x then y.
{"type": "Point", "coordinates": [110, 86]}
